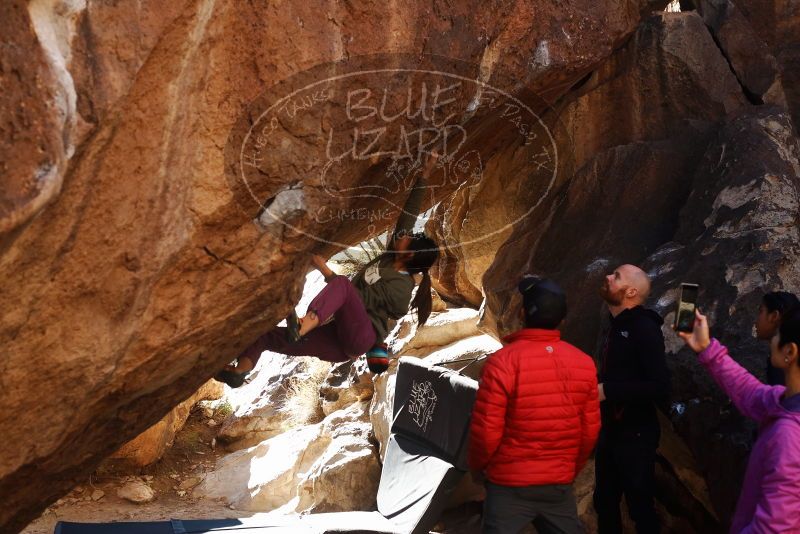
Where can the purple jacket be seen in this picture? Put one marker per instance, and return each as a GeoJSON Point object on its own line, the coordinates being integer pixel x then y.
{"type": "Point", "coordinates": [770, 498]}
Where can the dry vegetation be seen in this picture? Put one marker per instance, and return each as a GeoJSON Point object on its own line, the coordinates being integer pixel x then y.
{"type": "Point", "coordinates": [303, 405]}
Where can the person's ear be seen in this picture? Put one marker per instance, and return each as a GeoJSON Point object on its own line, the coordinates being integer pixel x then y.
{"type": "Point", "coordinates": [774, 317]}
{"type": "Point", "coordinates": [790, 352]}
{"type": "Point", "coordinates": [631, 292]}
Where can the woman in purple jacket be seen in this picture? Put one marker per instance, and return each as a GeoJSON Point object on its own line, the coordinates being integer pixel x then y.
{"type": "Point", "coordinates": [770, 497]}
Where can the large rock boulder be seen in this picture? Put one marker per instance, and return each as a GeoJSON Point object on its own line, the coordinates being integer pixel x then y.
{"type": "Point", "coordinates": [441, 328]}
{"type": "Point", "coordinates": [38, 109]}
{"type": "Point", "coordinates": [149, 446]}
{"type": "Point", "coordinates": [618, 129]}
{"type": "Point", "coordinates": [749, 56]}
{"type": "Point", "coordinates": [282, 395]}
{"type": "Point", "coordinates": [346, 383]}
{"type": "Point", "coordinates": [738, 239]}
{"type": "Point", "coordinates": [380, 409]}
{"type": "Point", "coordinates": [744, 28]}
{"type": "Point", "coordinates": [132, 269]}
{"type": "Point", "coordinates": [326, 467]}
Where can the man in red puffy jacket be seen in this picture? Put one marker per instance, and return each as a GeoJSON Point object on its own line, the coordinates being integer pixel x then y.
{"type": "Point", "coordinates": [535, 420]}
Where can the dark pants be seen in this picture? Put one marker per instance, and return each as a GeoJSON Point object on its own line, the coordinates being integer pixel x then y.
{"type": "Point", "coordinates": [350, 334]}
{"type": "Point", "coordinates": [625, 463]}
{"type": "Point", "coordinates": [551, 509]}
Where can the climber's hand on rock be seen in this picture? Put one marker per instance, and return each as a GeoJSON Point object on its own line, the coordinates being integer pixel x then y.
{"type": "Point", "coordinates": [322, 266]}
{"type": "Point", "coordinates": [430, 164]}
{"type": "Point", "coordinates": [318, 261]}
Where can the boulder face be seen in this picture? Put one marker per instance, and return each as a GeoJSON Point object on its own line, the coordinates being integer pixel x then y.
{"type": "Point", "coordinates": [626, 145]}
{"type": "Point", "coordinates": [131, 270]}
{"type": "Point", "coordinates": [282, 395]}
{"type": "Point", "coordinates": [346, 383]}
{"type": "Point", "coordinates": [738, 239]}
{"type": "Point", "coordinates": [771, 23]}
{"type": "Point", "coordinates": [37, 108]}
{"type": "Point", "coordinates": [326, 467]}
{"type": "Point", "coordinates": [750, 57]}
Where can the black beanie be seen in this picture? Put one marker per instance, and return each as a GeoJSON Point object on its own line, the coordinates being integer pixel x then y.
{"type": "Point", "coordinates": [544, 302]}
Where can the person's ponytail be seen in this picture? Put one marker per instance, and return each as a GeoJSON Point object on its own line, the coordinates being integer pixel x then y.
{"type": "Point", "coordinates": [423, 301]}
{"type": "Point", "coordinates": [425, 255]}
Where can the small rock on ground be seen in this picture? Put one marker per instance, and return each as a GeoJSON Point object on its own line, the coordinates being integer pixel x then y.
{"type": "Point", "coordinates": [137, 492]}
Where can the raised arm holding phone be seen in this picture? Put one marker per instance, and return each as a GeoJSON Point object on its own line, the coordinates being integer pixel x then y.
{"type": "Point", "coordinates": [770, 497]}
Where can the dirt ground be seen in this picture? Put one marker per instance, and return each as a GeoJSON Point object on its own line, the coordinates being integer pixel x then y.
{"type": "Point", "coordinates": [171, 478]}
{"type": "Point", "coordinates": [184, 464]}
{"type": "Point", "coordinates": [193, 454]}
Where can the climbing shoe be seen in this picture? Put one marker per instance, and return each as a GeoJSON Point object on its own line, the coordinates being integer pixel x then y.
{"type": "Point", "coordinates": [292, 328]}
{"type": "Point", "coordinates": [233, 379]}
{"type": "Point", "coordinates": [378, 358]}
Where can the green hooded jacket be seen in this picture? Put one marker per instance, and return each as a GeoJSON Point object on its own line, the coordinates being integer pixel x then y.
{"type": "Point", "coordinates": [386, 292]}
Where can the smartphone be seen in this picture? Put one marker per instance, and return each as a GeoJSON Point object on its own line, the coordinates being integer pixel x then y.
{"type": "Point", "coordinates": [684, 317]}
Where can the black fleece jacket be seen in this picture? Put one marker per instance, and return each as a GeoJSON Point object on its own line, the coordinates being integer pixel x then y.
{"type": "Point", "coordinates": [633, 370]}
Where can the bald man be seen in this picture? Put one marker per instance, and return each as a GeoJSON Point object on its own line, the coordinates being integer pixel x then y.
{"type": "Point", "coordinates": [633, 377]}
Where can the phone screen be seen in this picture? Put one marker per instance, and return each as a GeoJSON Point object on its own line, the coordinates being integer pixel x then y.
{"type": "Point", "coordinates": [684, 321]}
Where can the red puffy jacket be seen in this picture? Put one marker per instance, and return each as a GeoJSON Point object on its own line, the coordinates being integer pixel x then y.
{"type": "Point", "coordinates": [536, 417]}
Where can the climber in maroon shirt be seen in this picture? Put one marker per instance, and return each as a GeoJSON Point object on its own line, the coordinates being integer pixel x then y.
{"type": "Point", "coordinates": [362, 308]}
